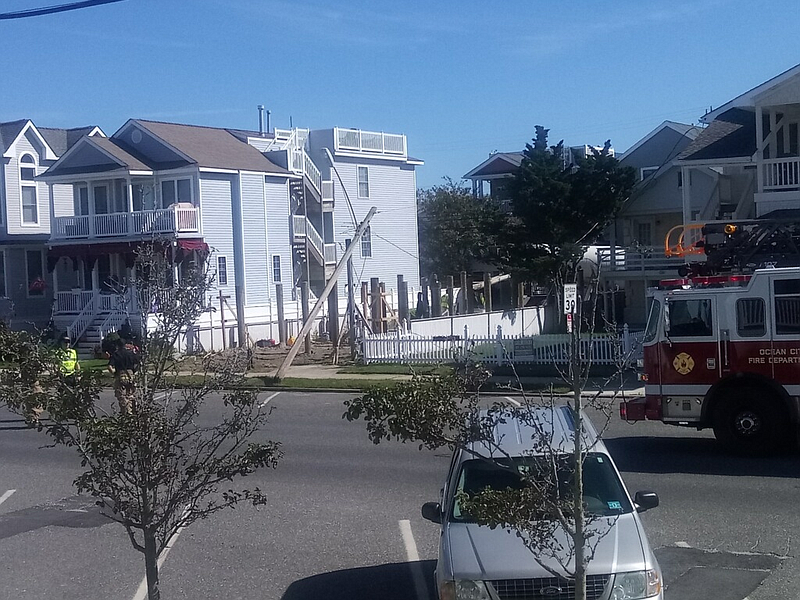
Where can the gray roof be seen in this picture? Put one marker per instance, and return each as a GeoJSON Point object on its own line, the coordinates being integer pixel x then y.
{"type": "Point", "coordinates": [61, 140]}
{"type": "Point", "coordinates": [9, 132]}
{"type": "Point", "coordinates": [498, 163]}
{"type": "Point", "coordinates": [211, 147]}
{"type": "Point", "coordinates": [731, 135]}
{"type": "Point", "coordinates": [124, 159]}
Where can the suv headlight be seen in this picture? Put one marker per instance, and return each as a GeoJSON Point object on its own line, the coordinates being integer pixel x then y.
{"type": "Point", "coordinates": [463, 589]}
{"type": "Point", "coordinates": [636, 585]}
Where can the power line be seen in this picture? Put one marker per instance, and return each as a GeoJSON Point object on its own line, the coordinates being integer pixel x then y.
{"type": "Point", "coordinates": [49, 10]}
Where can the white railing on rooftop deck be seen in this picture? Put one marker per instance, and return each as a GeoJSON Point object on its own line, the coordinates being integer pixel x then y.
{"type": "Point", "coordinates": [369, 142]}
{"type": "Point", "coordinates": [781, 174]}
{"type": "Point", "coordinates": [175, 219]}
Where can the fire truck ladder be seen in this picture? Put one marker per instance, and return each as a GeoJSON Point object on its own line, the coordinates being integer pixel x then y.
{"type": "Point", "coordinates": [735, 246]}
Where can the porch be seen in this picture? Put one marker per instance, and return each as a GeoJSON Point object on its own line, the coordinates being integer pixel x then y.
{"type": "Point", "coordinates": [175, 220]}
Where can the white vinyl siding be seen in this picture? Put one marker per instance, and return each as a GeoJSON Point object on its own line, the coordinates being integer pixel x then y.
{"type": "Point", "coordinates": [26, 145]}
{"type": "Point", "coordinates": [278, 234]}
{"type": "Point", "coordinates": [254, 234]}
{"type": "Point", "coordinates": [216, 192]}
{"type": "Point", "coordinates": [393, 228]}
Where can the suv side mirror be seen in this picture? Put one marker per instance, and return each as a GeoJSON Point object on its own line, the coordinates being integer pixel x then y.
{"type": "Point", "coordinates": [645, 500]}
{"type": "Point", "coordinates": [432, 511]}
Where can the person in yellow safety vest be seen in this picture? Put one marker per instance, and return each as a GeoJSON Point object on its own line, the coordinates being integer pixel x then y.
{"type": "Point", "coordinates": [69, 358]}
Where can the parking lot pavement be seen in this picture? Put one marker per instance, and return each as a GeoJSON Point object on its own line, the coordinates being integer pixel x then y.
{"type": "Point", "coordinates": [343, 518]}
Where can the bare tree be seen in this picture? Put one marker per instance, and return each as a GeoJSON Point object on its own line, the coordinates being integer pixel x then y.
{"type": "Point", "coordinates": [160, 465]}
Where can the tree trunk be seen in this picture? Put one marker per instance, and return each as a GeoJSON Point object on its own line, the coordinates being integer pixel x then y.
{"type": "Point", "coordinates": [151, 565]}
{"type": "Point", "coordinates": [579, 539]}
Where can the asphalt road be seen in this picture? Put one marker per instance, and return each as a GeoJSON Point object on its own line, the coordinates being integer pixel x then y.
{"type": "Point", "coordinates": [343, 518]}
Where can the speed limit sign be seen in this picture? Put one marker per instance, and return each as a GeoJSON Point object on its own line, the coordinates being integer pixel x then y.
{"type": "Point", "coordinates": [570, 297]}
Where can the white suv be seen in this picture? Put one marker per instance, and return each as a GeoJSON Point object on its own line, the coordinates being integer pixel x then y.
{"type": "Point", "coordinates": [480, 563]}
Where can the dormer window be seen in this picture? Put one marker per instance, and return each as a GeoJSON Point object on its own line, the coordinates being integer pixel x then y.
{"type": "Point", "coordinates": [27, 178]}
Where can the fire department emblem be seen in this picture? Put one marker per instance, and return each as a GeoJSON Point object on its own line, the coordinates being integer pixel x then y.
{"type": "Point", "coordinates": [683, 363]}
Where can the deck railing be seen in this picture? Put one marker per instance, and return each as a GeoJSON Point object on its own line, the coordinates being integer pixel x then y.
{"type": "Point", "coordinates": [644, 259]}
{"type": "Point", "coordinates": [780, 174]}
{"type": "Point", "coordinates": [175, 219]}
{"type": "Point", "coordinates": [302, 227]}
{"type": "Point", "coordinates": [369, 142]}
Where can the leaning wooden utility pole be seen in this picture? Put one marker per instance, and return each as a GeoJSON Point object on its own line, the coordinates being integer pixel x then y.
{"type": "Point", "coordinates": [328, 287]}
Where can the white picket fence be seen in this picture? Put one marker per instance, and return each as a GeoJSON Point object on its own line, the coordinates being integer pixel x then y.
{"type": "Point", "coordinates": [408, 348]}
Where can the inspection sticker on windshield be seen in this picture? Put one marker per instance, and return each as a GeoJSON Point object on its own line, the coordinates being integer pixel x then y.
{"type": "Point", "coordinates": [616, 505]}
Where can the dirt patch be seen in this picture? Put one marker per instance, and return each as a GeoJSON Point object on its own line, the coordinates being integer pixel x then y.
{"type": "Point", "coordinates": [269, 359]}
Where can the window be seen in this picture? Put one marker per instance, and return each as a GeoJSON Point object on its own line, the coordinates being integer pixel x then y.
{"type": "Point", "coordinates": [690, 318]}
{"type": "Point", "coordinates": [222, 270]}
{"type": "Point", "coordinates": [603, 493]}
{"type": "Point", "coordinates": [176, 190]}
{"type": "Point", "coordinates": [750, 317]}
{"type": "Point", "coordinates": [276, 268]}
{"type": "Point", "coordinates": [81, 198]}
{"type": "Point", "coordinates": [644, 233]}
{"type": "Point", "coordinates": [363, 182]}
{"type": "Point", "coordinates": [30, 205]}
{"type": "Point", "coordinates": [100, 200]}
{"type": "Point", "coordinates": [787, 306]}
{"type": "Point", "coordinates": [653, 318]}
{"type": "Point", "coordinates": [120, 196]}
{"type": "Point", "coordinates": [34, 266]}
{"type": "Point", "coordinates": [646, 172]}
{"type": "Point", "coordinates": [366, 243]}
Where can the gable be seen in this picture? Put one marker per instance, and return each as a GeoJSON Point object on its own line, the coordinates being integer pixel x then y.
{"type": "Point", "coordinates": [662, 147]}
{"type": "Point", "coordinates": [787, 92]}
{"type": "Point", "coordinates": [143, 144]}
{"type": "Point", "coordinates": [731, 135]}
{"type": "Point", "coordinates": [13, 134]}
{"type": "Point", "coordinates": [504, 163]}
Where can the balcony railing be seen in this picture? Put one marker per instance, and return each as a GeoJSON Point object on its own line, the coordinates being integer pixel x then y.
{"type": "Point", "coordinates": [330, 254]}
{"type": "Point", "coordinates": [781, 174]}
{"type": "Point", "coordinates": [302, 227]}
{"type": "Point", "coordinates": [369, 142]}
{"type": "Point", "coordinates": [629, 261]}
{"type": "Point", "coordinates": [176, 219]}
{"type": "Point", "coordinates": [76, 301]}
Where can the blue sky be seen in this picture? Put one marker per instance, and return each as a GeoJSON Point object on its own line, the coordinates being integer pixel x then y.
{"type": "Point", "coordinates": [460, 79]}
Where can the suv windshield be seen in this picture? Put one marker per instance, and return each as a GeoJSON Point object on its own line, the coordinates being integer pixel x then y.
{"type": "Point", "coordinates": [603, 493]}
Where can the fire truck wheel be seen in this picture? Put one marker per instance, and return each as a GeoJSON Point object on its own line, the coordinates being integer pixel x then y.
{"type": "Point", "coordinates": [749, 421]}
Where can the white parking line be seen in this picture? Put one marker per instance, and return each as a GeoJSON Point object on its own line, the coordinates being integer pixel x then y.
{"type": "Point", "coordinates": [265, 402]}
{"type": "Point", "coordinates": [516, 403]}
{"type": "Point", "coordinates": [413, 560]}
{"type": "Point", "coordinates": [141, 592]}
{"type": "Point", "coordinates": [6, 496]}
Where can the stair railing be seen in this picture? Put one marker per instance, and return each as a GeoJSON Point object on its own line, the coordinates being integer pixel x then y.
{"type": "Point", "coordinates": [85, 318]}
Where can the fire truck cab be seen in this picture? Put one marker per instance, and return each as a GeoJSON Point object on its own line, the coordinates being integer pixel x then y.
{"type": "Point", "coordinates": [724, 352]}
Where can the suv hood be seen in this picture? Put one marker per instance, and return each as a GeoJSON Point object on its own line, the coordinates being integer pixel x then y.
{"type": "Point", "coordinates": [478, 552]}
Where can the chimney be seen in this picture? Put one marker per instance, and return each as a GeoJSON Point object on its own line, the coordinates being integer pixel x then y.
{"type": "Point", "coordinates": [261, 120]}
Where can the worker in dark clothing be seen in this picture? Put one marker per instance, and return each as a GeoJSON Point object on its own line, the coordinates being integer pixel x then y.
{"type": "Point", "coordinates": [123, 364]}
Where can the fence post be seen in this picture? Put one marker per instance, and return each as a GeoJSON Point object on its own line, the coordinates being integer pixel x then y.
{"type": "Point", "coordinates": [399, 351]}
{"type": "Point", "coordinates": [466, 341]}
{"type": "Point", "coordinates": [626, 341]}
{"type": "Point", "coordinates": [499, 345]}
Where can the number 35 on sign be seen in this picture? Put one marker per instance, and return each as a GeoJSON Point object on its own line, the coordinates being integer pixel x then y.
{"type": "Point", "coordinates": [570, 297]}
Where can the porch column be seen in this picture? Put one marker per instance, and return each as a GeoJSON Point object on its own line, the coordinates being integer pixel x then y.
{"type": "Point", "coordinates": [90, 192]}
{"type": "Point", "coordinates": [130, 205]}
{"type": "Point", "coordinates": [759, 149]}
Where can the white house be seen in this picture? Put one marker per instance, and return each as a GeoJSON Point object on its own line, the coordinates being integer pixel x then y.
{"type": "Point", "coordinates": [262, 203]}
{"type": "Point", "coordinates": [25, 216]}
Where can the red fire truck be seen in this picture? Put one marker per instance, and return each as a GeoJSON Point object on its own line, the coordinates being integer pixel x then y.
{"type": "Point", "coordinates": [723, 351]}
